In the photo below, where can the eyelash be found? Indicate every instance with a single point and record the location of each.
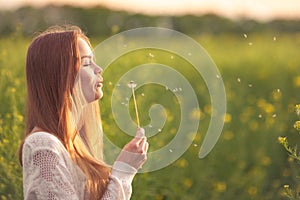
(87, 64)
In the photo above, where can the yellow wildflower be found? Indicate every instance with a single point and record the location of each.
(282, 140)
(297, 125)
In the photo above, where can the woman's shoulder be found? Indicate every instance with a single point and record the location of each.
(44, 140)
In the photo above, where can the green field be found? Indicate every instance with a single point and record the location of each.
(262, 82)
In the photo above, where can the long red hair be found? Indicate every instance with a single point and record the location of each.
(52, 65)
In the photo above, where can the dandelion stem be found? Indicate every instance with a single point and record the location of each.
(136, 109)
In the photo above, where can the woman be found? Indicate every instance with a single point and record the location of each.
(61, 153)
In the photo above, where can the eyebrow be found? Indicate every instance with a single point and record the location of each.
(90, 57)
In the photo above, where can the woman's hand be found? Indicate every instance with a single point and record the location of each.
(134, 152)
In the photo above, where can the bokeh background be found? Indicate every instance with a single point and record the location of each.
(255, 45)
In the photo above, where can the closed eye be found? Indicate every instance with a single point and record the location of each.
(86, 61)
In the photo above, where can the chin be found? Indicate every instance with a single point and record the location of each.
(98, 95)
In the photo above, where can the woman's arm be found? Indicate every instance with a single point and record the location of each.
(119, 186)
(132, 157)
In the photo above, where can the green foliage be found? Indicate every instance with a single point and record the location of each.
(295, 155)
(262, 80)
(12, 98)
(100, 21)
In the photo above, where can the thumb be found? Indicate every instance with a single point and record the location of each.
(140, 133)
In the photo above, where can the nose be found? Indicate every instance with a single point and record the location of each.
(98, 69)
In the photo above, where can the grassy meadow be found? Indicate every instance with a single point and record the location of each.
(262, 81)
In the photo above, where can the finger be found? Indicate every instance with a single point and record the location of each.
(139, 137)
(141, 145)
(140, 133)
(137, 140)
(146, 146)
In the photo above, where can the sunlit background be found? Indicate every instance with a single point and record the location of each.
(254, 43)
(256, 9)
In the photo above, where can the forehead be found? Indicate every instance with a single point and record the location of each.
(84, 48)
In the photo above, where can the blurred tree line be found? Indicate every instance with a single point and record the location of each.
(99, 21)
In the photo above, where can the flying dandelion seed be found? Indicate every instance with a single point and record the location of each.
(274, 38)
(159, 130)
(170, 150)
(238, 80)
(250, 43)
(151, 55)
(274, 115)
(245, 35)
(143, 94)
(278, 90)
(250, 85)
(260, 116)
(195, 145)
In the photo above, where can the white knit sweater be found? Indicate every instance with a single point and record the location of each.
(49, 173)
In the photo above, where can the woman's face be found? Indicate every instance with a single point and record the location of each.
(89, 73)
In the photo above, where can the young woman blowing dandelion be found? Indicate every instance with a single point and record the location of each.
(62, 152)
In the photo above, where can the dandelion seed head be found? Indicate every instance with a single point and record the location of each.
(131, 84)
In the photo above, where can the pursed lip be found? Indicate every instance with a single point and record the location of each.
(99, 83)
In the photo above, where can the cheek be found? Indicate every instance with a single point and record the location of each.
(86, 77)
(87, 85)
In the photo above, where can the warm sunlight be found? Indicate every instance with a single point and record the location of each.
(257, 9)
